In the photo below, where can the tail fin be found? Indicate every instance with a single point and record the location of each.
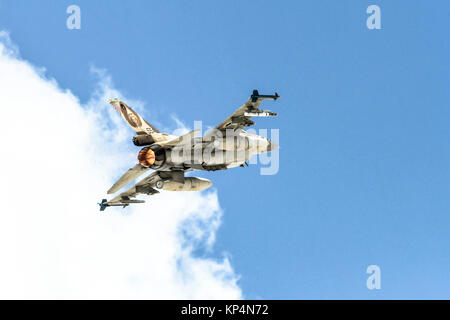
(136, 122)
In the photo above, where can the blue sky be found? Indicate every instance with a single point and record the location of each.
(363, 119)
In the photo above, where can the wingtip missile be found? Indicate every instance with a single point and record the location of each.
(255, 96)
(123, 203)
(103, 205)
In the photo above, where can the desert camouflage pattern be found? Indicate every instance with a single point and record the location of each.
(226, 146)
(137, 123)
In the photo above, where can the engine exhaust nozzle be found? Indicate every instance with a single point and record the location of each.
(146, 157)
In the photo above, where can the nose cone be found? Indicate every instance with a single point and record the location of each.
(203, 183)
(272, 146)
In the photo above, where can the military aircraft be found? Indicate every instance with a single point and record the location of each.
(226, 146)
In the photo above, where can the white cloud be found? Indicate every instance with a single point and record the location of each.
(56, 161)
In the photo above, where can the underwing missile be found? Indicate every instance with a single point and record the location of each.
(263, 113)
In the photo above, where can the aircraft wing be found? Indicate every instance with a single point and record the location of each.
(241, 117)
(145, 186)
(127, 177)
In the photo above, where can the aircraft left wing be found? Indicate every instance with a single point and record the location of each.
(145, 186)
(127, 177)
(241, 117)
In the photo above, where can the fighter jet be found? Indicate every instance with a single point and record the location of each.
(226, 146)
